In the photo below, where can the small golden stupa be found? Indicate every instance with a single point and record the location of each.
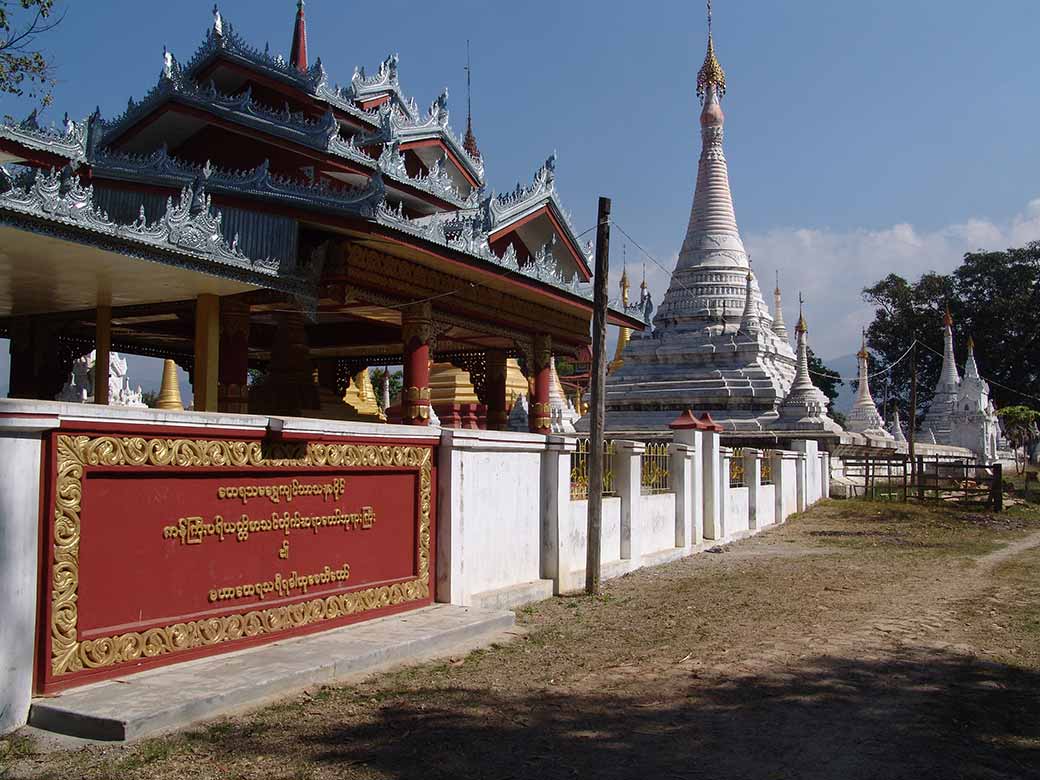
(360, 398)
(623, 333)
(170, 392)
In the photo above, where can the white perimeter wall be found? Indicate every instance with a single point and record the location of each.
(507, 531)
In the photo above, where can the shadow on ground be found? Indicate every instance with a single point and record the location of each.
(927, 715)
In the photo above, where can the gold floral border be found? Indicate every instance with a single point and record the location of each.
(68, 654)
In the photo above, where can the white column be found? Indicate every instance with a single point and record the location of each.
(712, 485)
(450, 580)
(20, 459)
(753, 480)
(627, 455)
(556, 497)
(725, 457)
(681, 465)
(825, 470)
(694, 439)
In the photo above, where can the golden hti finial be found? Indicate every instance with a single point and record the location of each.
(971, 345)
(170, 392)
(777, 290)
(948, 318)
(625, 287)
(801, 327)
(862, 354)
(642, 285)
(711, 72)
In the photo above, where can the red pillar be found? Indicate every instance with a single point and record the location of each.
(416, 333)
(497, 413)
(539, 416)
(233, 373)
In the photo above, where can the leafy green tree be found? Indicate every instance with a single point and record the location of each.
(24, 69)
(396, 383)
(1020, 425)
(993, 297)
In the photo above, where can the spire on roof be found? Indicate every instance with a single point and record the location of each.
(298, 55)
(864, 417)
(801, 327)
(218, 23)
(749, 319)
(971, 368)
(710, 78)
(779, 328)
(469, 143)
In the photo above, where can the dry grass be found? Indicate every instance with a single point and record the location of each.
(843, 644)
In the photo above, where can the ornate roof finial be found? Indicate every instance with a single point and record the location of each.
(777, 290)
(971, 345)
(298, 55)
(642, 285)
(469, 143)
(862, 354)
(948, 318)
(711, 73)
(801, 327)
(218, 23)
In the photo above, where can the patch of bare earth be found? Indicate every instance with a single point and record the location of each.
(857, 641)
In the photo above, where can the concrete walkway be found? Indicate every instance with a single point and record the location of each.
(175, 696)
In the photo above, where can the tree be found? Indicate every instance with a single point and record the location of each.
(24, 69)
(396, 383)
(993, 297)
(903, 311)
(1020, 425)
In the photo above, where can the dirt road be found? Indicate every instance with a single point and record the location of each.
(857, 641)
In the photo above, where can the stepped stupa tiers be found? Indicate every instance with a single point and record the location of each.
(714, 347)
(945, 397)
(864, 417)
(805, 407)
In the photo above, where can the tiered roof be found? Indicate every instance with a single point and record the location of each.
(363, 151)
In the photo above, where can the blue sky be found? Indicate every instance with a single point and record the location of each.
(862, 138)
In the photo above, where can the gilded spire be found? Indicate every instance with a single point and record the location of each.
(469, 143)
(862, 354)
(801, 327)
(711, 73)
(947, 317)
(625, 286)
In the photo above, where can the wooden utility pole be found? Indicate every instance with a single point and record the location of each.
(597, 410)
(913, 415)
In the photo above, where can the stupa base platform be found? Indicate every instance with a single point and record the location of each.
(172, 697)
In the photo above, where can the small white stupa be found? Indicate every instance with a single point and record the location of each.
(864, 417)
(80, 387)
(805, 407)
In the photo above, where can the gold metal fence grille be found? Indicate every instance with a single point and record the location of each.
(767, 468)
(580, 470)
(736, 468)
(654, 474)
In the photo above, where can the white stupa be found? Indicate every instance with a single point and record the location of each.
(805, 407)
(714, 345)
(864, 417)
(945, 397)
(80, 387)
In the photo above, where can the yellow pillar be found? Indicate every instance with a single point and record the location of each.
(207, 352)
(102, 350)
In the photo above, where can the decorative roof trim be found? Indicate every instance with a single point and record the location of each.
(315, 83)
(468, 237)
(321, 135)
(188, 229)
(71, 142)
(161, 168)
